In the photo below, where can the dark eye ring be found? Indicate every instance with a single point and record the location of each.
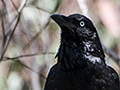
(82, 23)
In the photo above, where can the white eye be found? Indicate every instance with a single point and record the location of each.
(82, 24)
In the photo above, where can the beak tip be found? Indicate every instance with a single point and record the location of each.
(55, 16)
(52, 16)
(59, 19)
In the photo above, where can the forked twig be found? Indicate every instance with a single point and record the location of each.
(13, 30)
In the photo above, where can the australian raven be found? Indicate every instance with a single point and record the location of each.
(81, 60)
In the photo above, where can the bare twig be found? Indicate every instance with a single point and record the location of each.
(3, 13)
(2, 53)
(19, 61)
(44, 27)
(14, 5)
(3, 3)
(111, 54)
(27, 55)
(56, 7)
(43, 9)
(4, 38)
(31, 41)
(3, 31)
(13, 30)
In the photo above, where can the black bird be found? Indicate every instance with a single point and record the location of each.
(81, 60)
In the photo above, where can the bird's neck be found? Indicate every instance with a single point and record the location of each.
(70, 56)
(93, 52)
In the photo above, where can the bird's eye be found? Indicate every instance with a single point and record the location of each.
(82, 24)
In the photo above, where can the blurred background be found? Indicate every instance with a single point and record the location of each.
(29, 39)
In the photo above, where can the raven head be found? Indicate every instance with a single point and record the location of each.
(78, 35)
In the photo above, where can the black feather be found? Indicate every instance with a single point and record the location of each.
(81, 64)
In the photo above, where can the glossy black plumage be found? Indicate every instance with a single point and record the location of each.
(81, 64)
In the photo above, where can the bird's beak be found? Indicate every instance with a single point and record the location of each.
(61, 20)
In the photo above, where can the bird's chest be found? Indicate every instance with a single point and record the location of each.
(73, 80)
(83, 79)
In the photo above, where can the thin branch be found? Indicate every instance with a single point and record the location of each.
(42, 76)
(3, 3)
(111, 54)
(31, 40)
(2, 54)
(27, 55)
(56, 7)
(4, 38)
(14, 5)
(3, 29)
(35, 36)
(18, 61)
(44, 27)
(19, 13)
(43, 9)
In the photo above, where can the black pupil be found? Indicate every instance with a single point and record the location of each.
(82, 23)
